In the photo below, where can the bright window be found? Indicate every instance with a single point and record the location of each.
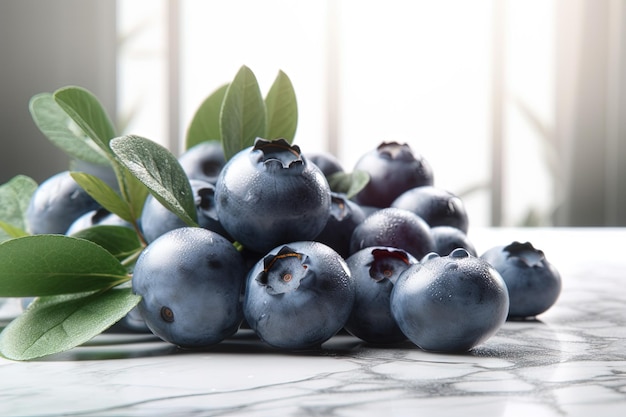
(419, 72)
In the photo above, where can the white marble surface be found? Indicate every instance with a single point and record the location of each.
(570, 362)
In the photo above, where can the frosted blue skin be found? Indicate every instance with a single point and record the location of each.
(534, 284)
(299, 295)
(345, 215)
(326, 162)
(395, 228)
(56, 204)
(203, 161)
(190, 280)
(449, 238)
(156, 219)
(100, 217)
(375, 271)
(269, 194)
(438, 207)
(451, 303)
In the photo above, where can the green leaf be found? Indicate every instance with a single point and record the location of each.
(205, 124)
(121, 242)
(348, 183)
(242, 117)
(38, 265)
(87, 111)
(282, 109)
(8, 231)
(135, 192)
(159, 170)
(103, 194)
(58, 323)
(62, 131)
(15, 196)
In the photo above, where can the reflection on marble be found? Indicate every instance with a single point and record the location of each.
(569, 362)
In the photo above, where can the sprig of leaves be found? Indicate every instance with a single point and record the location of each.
(348, 183)
(159, 170)
(236, 113)
(56, 265)
(58, 323)
(15, 196)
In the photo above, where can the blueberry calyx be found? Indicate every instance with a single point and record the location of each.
(429, 256)
(526, 253)
(459, 253)
(338, 207)
(204, 199)
(385, 263)
(278, 154)
(283, 272)
(395, 150)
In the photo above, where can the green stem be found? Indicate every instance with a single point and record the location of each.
(130, 260)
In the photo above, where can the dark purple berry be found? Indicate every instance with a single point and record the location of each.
(345, 216)
(395, 228)
(393, 168)
(435, 205)
(375, 271)
(449, 238)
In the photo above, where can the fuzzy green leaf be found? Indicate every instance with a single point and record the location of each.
(205, 124)
(159, 170)
(134, 191)
(348, 183)
(87, 111)
(62, 131)
(121, 242)
(15, 196)
(242, 117)
(58, 323)
(39, 265)
(8, 231)
(282, 109)
(103, 194)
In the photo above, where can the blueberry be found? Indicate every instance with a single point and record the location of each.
(435, 205)
(345, 216)
(326, 162)
(190, 280)
(56, 204)
(132, 322)
(375, 271)
(269, 194)
(395, 228)
(393, 168)
(99, 217)
(450, 303)
(299, 295)
(156, 219)
(534, 284)
(203, 161)
(448, 238)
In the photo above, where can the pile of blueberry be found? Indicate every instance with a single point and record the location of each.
(282, 253)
